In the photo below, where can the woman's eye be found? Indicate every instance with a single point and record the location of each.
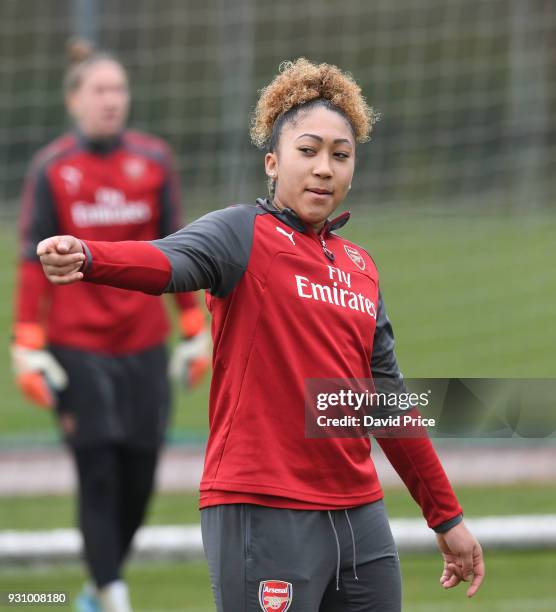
(307, 150)
(341, 155)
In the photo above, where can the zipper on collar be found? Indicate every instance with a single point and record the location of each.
(326, 230)
(329, 254)
(289, 217)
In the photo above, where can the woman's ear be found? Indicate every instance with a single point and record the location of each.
(69, 100)
(271, 165)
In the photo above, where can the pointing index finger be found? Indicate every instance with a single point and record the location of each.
(45, 246)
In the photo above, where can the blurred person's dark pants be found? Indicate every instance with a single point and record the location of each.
(113, 416)
(115, 484)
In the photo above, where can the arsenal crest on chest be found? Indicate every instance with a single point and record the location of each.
(355, 256)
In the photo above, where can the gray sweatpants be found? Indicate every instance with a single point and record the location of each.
(301, 560)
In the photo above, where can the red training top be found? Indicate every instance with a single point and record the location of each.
(287, 305)
(123, 189)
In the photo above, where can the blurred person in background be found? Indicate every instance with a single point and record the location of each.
(97, 355)
(289, 520)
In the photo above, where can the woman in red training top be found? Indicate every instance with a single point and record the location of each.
(289, 521)
(97, 354)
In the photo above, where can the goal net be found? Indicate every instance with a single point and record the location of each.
(465, 88)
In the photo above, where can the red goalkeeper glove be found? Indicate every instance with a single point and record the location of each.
(190, 359)
(37, 373)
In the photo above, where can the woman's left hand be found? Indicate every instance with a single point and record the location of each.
(463, 558)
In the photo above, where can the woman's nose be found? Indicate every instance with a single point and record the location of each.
(322, 167)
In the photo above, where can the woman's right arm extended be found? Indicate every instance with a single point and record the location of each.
(210, 253)
(128, 265)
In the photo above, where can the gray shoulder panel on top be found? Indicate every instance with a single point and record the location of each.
(212, 252)
(384, 364)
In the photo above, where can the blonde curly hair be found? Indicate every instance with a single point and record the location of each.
(301, 83)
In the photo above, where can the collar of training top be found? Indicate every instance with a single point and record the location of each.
(101, 146)
(290, 218)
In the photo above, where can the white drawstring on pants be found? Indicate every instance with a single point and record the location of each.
(353, 543)
(338, 548)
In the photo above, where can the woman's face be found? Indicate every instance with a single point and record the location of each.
(100, 104)
(313, 164)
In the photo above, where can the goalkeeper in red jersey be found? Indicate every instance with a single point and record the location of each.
(290, 521)
(98, 356)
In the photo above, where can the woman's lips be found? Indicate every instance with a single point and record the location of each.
(320, 192)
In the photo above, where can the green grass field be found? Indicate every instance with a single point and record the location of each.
(50, 512)
(470, 295)
(516, 582)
